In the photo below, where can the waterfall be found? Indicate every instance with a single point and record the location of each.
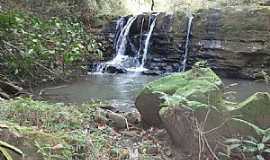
(140, 47)
(146, 46)
(119, 27)
(121, 43)
(184, 62)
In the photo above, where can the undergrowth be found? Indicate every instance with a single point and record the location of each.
(58, 131)
(35, 49)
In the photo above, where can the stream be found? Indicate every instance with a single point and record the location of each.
(123, 88)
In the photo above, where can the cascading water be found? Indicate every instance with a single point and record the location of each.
(120, 43)
(140, 45)
(146, 46)
(184, 62)
(119, 27)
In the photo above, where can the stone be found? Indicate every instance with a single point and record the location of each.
(101, 116)
(152, 72)
(168, 68)
(255, 109)
(113, 119)
(115, 69)
(117, 120)
(194, 86)
(133, 117)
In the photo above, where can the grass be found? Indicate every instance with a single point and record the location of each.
(50, 126)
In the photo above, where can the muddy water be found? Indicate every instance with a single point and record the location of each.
(125, 87)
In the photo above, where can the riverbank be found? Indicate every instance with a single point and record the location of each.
(89, 131)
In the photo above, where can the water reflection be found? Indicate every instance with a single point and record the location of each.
(125, 87)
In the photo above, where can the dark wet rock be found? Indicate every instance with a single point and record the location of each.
(152, 72)
(115, 69)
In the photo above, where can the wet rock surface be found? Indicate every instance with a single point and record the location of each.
(234, 41)
(115, 69)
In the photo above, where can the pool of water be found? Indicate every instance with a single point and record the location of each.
(120, 87)
(125, 87)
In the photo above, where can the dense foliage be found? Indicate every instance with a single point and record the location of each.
(41, 49)
(257, 147)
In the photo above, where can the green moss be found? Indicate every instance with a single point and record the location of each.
(170, 84)
(194, 88)
(256, 109)
(201, 91)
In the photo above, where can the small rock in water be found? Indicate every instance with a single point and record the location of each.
(152, 72)
(115, 69)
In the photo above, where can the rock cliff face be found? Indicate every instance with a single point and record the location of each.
(235, 42)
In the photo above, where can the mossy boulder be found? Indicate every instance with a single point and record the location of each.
(198, 87)
(255, 109)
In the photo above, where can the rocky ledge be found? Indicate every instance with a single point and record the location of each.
(234, 41)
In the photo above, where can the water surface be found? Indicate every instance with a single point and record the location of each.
(125, 87)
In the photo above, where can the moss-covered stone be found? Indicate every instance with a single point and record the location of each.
(255, 109)
(195, 88)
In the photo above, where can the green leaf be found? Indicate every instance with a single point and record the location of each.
(260, 157)
(266, 150)
(250, 149)
(5, 153)
(233, 146)
(257, 129)
(248, 142)
(260, 146)
(232, 140)
(266, 138)
(13, 148)
(253, 139)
